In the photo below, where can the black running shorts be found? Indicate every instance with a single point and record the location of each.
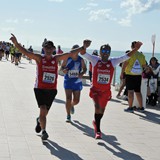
(45, 96)
(133, 82)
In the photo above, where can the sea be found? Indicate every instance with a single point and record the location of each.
(117, 54)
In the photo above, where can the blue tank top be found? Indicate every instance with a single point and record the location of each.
(74, 68)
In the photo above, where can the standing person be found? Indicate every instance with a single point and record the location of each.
(100, 91)
(156, 71)
(133, 71)
(30, 49)
(153, 96)
(95, 52)
(73, 68)
(12, 52)
(7, 48)
(46, 81)
(59, 51)
(123, 81)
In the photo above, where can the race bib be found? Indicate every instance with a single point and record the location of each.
(103, 78)
(49, 77)
(73, 73)
(136, 69)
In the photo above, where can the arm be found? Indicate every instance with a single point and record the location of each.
(157, 70)
(86, 44)
(136, 48)
(123, 69)
(31, 55)
(63, 67)
(84, 69)
(118, 60)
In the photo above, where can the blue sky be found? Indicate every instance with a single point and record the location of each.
(68, 22)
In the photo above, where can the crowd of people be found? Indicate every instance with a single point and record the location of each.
(133, 64)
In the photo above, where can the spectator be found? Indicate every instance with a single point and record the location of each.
(133, 71)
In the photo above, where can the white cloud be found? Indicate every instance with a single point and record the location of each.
(28, 20)
(103, 14)
(125, 22)
(139, 6)
(55, 0)
(12, 21)
(134, 7)
(92, 4)
(9, 29)
(85, 9)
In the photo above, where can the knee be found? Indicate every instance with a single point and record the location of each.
(76, 101)
(43, 111)
(130, 94)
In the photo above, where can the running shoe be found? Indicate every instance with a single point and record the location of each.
(119, 97)
(95, 127)
(44, 135)
(129, 109)
(72, 110)
(68, 119)
(98, 135)
(141, 109)
(38, 127)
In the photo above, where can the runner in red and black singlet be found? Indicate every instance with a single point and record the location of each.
(46, 79)
(100, 91)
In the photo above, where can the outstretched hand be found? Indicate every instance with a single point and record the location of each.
(138, 44)
(13, 39)
(86, 43)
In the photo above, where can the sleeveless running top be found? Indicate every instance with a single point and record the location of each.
(47, 73)
(102, 75)
(74, 68)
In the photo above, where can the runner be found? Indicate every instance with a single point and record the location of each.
(46, 81)
(73, 68)
(100, 91)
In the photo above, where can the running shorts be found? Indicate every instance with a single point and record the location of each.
(45, 96)
(100, 97)
(133, 82)
(73, 85)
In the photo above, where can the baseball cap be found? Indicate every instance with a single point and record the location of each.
(95, 52)
(75, 46)
(48, 44)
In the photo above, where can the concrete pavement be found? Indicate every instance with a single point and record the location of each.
(126, 136)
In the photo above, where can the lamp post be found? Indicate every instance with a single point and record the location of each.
(153, 43)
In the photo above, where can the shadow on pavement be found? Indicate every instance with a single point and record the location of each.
(21, 67)
(60, 152)
(149, 116)
(84, 128)
(115, 100)
(59, 101)
(110, 143)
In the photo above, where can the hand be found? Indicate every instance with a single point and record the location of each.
(13, 39)
(65, 71)
(86, 43)
(80, 75)
(138, 44)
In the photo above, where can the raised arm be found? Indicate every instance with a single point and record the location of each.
(84, 68)
(31, 55)
(64, 56)
(136, 48)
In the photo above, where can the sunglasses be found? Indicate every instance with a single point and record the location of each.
(105, 51)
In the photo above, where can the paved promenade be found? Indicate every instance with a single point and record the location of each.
(126, 136)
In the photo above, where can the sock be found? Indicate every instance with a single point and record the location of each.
(98, 118)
